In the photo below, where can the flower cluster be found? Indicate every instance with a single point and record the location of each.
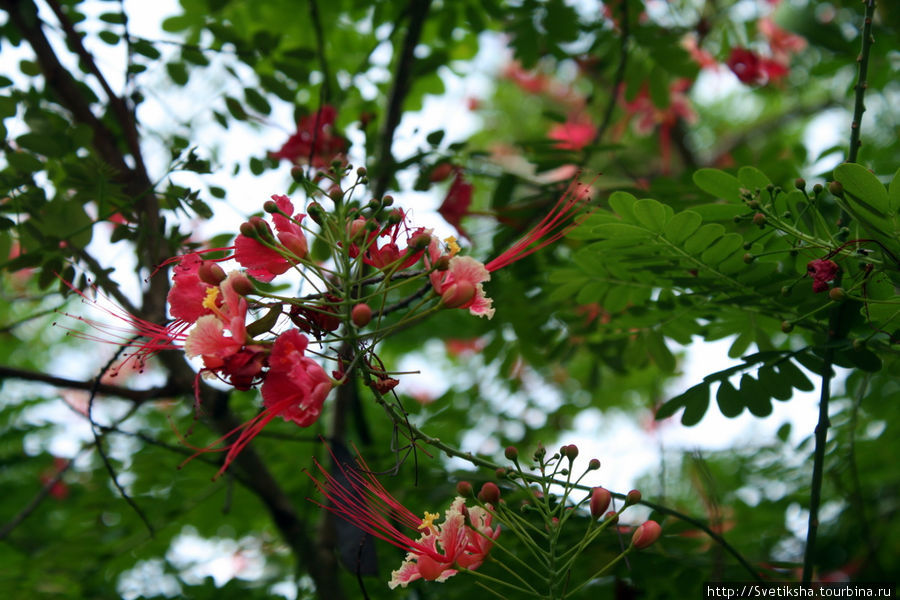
(244, 335)
(461, 541)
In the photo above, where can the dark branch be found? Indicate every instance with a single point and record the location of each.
(384, 157)
(138, 396)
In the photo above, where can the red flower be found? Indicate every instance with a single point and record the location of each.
(315, 141)
(577, 132)
(296, 386)
(822, 272)
(456, 205)
(359, 498)
(294, 389)
(753, 69)
(188, 291)
(389, 254)
(264, 262)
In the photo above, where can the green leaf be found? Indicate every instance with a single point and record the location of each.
(623, 205)
(718, 183)
(235, 108)
(729, 400)
(724, 247)
(619, 231)
(145, 48)
(863, 187)
(109, 37)
(681, 226)
(178, 72)
(795, 376)
(434, 138)
(776, 384)
(752, 178)
(695, 401)
(755, 397)
(257, 101)
(652, 214)
(116, 18)
(894, 194)
(704, 237)
(659, 352)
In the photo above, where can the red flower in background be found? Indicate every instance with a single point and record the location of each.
(315, 141)
(577, 132)
(649, 116)
(456, 205)
(753, 69)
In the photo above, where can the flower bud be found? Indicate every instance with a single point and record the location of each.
(593, 464)
(270, 206)
(395, 216)
(336, 193)
(787, 326)
(611, 516)
(800, 184)
(464, 489)
(295, 243)
(511, 453)
(297, 174)
(749, 258)
(500, 473)
(633, 497)
(600, 499)
(356, 229)
(442, 264)
(387, 201)
(211, 273)
(419, 241)
(361, 171)
(759, 219)
(646, 534)
(489, 493)
(241, 284)
(570, 451)
(361, 314)
(458, 294)
(817, 189)
(540, 453)
(316, 212)
(837, 294)
(836, 188)
(248, 230)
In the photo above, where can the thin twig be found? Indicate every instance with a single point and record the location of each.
(98, 442)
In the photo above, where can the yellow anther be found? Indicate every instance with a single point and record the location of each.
(452, 245)
(428, 520)
(209, 302)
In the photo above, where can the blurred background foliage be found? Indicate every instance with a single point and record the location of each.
(110, 164)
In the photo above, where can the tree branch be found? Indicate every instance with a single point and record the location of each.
(137, 396)
(384, 157)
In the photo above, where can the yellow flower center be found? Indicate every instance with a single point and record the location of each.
(209, 302)
(452, 246)
(428, 520)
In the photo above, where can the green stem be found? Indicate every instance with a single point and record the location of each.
(605, 568)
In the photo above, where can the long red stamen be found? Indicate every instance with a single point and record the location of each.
(365, 503)
(552, 227)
